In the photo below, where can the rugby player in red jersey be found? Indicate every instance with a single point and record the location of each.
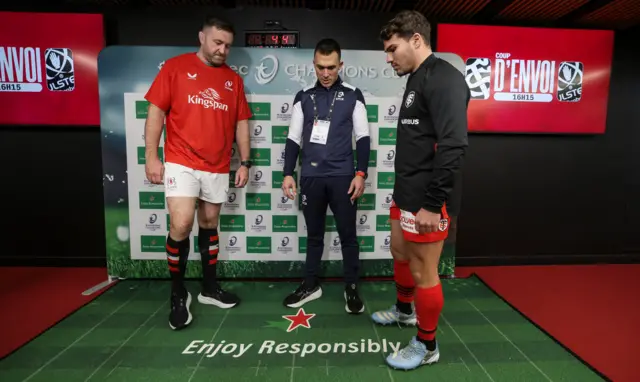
(204, 104)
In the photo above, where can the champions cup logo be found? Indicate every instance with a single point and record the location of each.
(264, 75)
(522, 80)
(21, 69)
(208, 98)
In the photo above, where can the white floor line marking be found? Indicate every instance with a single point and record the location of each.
(373, 324)
(466, 347)
(210, 341)
(97, 287)
(326, 366)
(81, 337)
(293, 366)
(114, 369)
(465, 364)
(164, 303)
(257, 367)
(508, 339)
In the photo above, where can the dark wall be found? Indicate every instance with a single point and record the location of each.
(558, 198)
(553, 199)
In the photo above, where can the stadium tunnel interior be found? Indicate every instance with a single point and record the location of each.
(525, 199)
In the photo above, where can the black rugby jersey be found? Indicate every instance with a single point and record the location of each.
(433, 115)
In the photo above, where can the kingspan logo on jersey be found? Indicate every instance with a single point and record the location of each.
(517, 79)
(21, 69)
(209, 99)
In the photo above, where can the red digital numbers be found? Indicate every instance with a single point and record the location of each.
(271, 39)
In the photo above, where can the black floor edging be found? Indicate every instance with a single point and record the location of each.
(588, 365)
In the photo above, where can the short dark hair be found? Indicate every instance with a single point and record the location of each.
(405, 24)
(326, 46)
(218, 23)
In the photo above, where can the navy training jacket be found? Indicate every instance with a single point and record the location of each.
(348, 122)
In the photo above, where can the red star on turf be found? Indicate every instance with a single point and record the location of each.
(299, 319)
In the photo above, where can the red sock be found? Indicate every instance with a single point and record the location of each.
(429, 303)
(404, 281)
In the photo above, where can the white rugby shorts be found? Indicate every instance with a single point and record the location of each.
(180, 180)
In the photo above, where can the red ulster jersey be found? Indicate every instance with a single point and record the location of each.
(203, 104)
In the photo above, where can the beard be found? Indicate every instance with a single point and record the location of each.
(215, 60)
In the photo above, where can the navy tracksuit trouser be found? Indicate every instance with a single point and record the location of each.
(317, 193)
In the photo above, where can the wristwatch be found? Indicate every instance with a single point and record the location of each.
(362, 174)
(246, 163)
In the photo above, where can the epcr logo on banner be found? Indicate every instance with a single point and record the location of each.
(263, 76)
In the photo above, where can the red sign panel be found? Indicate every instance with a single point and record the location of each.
(533, 80)
(49, 68)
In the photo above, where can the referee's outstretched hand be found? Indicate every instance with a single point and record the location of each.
(356, 189)
(289, 187)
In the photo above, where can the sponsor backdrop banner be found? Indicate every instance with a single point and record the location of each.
(533, 80)
(262, 233)
(49, 68)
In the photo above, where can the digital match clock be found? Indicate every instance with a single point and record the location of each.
(272, 39)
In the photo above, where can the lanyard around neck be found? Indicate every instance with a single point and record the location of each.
(315, 107)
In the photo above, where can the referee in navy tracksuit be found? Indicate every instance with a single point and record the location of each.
(326, 118)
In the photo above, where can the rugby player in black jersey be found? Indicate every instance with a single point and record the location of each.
(431, 142)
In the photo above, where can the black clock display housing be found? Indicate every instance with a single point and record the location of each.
(272, 39)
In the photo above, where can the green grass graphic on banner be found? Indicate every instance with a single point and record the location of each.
(383, 223)
(367, 202)
(387, 136)
(259, 228)
(373, 158)
(330, 224)
(279, 134)
(151, 200)
(260, 244)
(372, 113)
(302, 244)
(261, 157)
(153, 243)
(367, 243)
(258, 201)
(261, 111)
(142, 109)
(232, 223)
(285, 223)
(142, 157)
(386, 180)
(277, 178)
